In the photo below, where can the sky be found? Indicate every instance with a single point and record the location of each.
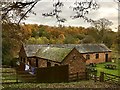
(108, 9)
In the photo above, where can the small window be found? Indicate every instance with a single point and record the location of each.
(48, 64)
(87, 56)
(97, 56)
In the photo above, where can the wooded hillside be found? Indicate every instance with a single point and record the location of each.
(41, 34)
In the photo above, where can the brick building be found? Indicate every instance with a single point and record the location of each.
(93, 53)
(46, 56)
(74, 55)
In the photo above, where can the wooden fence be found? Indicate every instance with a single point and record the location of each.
(26, 77)
(9, 76)
(110, 78)
(12, 75)
(77, 76)
(51, 74)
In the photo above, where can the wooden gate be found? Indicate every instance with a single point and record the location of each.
(110, 78)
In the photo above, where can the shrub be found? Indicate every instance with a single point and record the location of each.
(110, 66)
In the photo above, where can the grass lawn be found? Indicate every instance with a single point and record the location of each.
(101, 68)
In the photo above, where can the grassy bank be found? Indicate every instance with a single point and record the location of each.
(101, 68)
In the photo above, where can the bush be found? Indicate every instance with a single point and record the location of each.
(110, 66)
(92, 64)
(91, 69)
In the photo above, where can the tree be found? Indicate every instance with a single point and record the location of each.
(88, 39)
(102, 25)
(94, 33)
(19, 10)
(31, 40)
(81, 9)
(57, 9)
(118, 40)
(108, 40)
(71, 40)
(13, 11)
(11, 39)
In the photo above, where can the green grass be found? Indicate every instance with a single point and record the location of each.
(8, 77)
(101, 68)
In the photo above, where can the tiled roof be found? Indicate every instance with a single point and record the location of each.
(53, 53)
(85, 48)
(91, 48)
(58, 52)
(31, 49)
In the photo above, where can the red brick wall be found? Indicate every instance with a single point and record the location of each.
(43, 63)
(99, 60)
(75, 61)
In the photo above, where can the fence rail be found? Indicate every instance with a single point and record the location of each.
(77, 76)
(9, 77)
(110, 78)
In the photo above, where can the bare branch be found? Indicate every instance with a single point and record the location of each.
(27, 11)
(82, 8)
(57, 9)
(15, 5)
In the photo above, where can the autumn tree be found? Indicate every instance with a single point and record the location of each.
(11, 39)
(12, 33)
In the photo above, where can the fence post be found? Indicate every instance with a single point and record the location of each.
(16, 76)
(77, 76)
(95, 76)
(86, 75)
(101, 76)
(87, 72)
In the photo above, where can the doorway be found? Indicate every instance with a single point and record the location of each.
(36, 62)
(106, 57)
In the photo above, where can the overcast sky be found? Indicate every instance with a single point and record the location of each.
(108, 10)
